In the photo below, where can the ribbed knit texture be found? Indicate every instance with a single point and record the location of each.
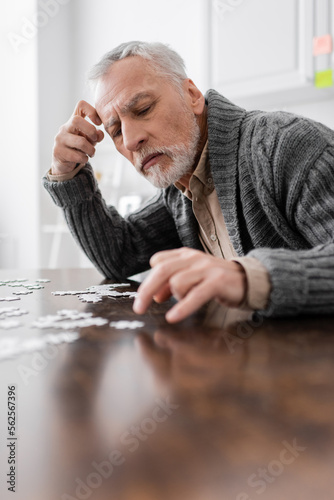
(274, 176)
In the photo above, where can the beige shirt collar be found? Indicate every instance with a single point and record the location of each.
(202, 173)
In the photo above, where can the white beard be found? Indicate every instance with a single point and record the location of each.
(182, 156)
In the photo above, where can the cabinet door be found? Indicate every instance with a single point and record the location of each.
(261, 50)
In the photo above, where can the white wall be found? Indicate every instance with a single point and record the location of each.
(19, 186)
(101, 25)
(321, 111)
(36, 98)
(56, 76)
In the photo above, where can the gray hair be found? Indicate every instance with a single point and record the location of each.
(165, 61)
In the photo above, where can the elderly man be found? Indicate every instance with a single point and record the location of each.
(245, 213)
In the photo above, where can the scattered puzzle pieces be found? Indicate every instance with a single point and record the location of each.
(111, 286)
(69, 319)
(95, 293)
(121, 325)
(72, 314)
(33, 286)
(18, 280)
(65, 319)
(26, 288)
(114, 293)
(90, 298)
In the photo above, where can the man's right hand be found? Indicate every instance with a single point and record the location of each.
(76, 140)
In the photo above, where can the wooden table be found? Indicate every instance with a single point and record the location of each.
(217, 407)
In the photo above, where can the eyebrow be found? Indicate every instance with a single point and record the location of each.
(128, 107)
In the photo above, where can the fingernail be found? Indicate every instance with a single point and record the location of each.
(172, 316)
(138, 306)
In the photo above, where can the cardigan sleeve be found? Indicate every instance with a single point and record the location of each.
(302, 183)
(118, 247)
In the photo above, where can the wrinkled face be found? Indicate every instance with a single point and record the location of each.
(151, 124)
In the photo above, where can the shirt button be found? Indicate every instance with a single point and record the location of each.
(213, 237)
(210, 180)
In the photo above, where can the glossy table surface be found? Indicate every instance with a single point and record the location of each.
(221, 406)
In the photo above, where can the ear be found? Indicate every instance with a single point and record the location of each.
(194, 97)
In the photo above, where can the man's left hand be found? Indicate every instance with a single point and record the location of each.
(193, 278)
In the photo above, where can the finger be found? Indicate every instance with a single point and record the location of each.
(100, 135)
(164, 265)
(65, 156)
(229, 286)
(169, 254)
(79, 126)
(195, 299)
(67, 144)
(219, 277)
(81, 144)
(72, 156)
(163, 294)
(183, 281)
(84, 109)
(65, 161)
(156, 281)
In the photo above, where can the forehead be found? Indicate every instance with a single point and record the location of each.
(125, 78)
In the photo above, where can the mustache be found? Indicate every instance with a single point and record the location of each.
(147, 151)
(171, 151)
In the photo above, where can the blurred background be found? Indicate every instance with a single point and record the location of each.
(261, 54)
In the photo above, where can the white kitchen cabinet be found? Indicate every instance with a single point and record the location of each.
(261, 50)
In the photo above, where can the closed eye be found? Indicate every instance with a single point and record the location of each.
(141, 112)
(117, 133)
(144, 111)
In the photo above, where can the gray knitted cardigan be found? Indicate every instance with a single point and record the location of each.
(274, 177)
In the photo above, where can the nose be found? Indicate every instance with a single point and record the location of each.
(134, 136)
